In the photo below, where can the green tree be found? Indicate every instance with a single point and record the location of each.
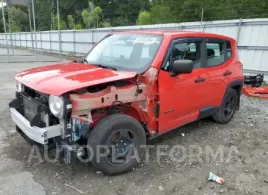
(104, 24)
(45, 9)
(1, 26)
(95, 16)
(43, 14)
(63, 25)
(71, 22)
(92, 16)
(76, 14)
(86, 18)
(71, 7)
(19, 20)
(78, 27)
(161, 14)
(144, 18)
(122, 12)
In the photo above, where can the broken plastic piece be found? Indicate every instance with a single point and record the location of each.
(213, 177)
(256, 92)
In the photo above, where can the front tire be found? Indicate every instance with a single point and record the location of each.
(116, 143)
(228, 107)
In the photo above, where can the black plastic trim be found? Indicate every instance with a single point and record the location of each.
(235, 83)
(15, 103)
(208, 111)
(67, 120)
(156, 110)
(36, 121)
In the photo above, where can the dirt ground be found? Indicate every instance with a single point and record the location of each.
(244, 165)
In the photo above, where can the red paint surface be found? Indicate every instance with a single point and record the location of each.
(180, 97)
(62, 78)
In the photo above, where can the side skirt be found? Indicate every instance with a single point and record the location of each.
(205, 112)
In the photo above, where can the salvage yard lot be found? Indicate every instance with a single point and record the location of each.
(245, 138)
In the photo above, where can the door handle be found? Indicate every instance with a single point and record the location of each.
(200, 80)
(227, 73)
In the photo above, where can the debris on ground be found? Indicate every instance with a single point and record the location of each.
(161, 188)
(81, 192)
(253, 87)
(99, 173)
(213, 177)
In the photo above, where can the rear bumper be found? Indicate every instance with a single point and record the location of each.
(40, 135)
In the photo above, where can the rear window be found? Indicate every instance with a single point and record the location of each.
(218, 52)
(215, 53)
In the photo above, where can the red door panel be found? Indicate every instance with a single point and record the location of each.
(217, 84)
(219, 70)
(181, 97)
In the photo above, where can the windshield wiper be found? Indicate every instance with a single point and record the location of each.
(85, 60)
(107, 67)
(81, 60)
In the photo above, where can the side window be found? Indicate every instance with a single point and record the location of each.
(186, 51)
(215, 53)
(229, 49)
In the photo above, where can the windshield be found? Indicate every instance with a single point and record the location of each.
(127, 52)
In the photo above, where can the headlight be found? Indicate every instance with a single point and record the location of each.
(56, 106)
(20, 87)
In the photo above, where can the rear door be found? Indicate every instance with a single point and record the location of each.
(183, 95)
(217, 65)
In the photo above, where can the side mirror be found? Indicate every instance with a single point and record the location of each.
(181, 66)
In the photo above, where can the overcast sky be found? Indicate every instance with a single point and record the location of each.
(3, 3)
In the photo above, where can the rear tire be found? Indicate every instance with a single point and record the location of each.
(119, 133)
(228, 107)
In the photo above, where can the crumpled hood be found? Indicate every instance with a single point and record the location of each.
(61, 78)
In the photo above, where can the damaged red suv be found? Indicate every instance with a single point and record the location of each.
(131, 87)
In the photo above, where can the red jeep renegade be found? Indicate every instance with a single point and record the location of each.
(131, 87)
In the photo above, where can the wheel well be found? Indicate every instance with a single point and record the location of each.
(238, 89)
(131, 111)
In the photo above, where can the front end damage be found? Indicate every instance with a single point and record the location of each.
(83, 109)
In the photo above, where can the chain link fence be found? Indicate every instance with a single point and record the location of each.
(20, 41)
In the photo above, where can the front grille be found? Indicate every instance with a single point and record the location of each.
(41, 98)
(30, 108)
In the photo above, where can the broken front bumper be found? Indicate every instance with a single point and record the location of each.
(40, 135)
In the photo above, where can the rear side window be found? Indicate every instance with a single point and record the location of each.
(215, 53)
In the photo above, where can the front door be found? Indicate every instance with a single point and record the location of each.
(182, 96)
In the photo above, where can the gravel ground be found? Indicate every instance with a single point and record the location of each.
(243, 164)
